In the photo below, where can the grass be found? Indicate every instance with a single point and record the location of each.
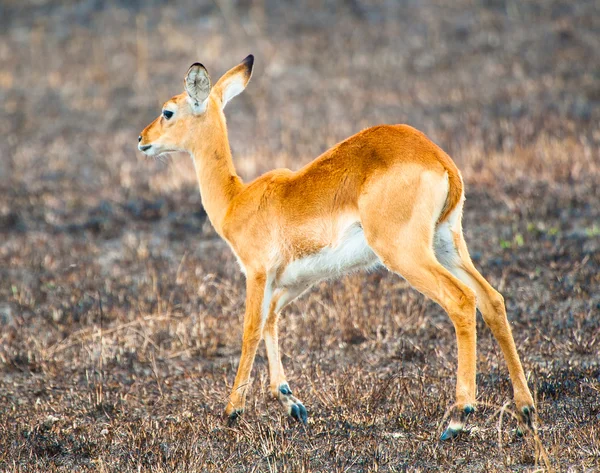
(121, 310)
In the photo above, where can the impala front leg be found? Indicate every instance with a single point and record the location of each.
(280, 389)
(256, 299)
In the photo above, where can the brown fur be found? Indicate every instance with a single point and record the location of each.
(391, 179)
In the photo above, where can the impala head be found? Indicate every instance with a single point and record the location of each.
(196, 112)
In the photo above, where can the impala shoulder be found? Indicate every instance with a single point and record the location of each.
(272, 186)
(270, 180)
(254, 199)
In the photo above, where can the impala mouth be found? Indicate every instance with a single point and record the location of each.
(144, 148)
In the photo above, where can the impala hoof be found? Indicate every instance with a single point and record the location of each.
(527, 414)
(292, 406)
(233, 417)
(450, 434)
(298, 412)
(457, 424)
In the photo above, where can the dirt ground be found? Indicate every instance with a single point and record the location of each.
(121, 310)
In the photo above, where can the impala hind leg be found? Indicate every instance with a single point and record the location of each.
(280, 388)
(491, 305)
(399, 226)
(253, 328)
(420, 268)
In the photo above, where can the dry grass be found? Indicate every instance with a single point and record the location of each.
(121, 310)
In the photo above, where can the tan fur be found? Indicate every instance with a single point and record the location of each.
(389, 182)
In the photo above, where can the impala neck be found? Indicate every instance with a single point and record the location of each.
(217, 178)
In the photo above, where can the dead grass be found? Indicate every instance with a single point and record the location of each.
(121, 310)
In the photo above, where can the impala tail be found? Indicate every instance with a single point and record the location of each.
(455, 193)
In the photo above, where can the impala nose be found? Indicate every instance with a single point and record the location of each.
(139, 138)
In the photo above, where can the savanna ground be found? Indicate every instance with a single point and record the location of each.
(121, 310)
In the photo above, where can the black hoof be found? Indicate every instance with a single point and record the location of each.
(457, 424)
(299, 413)
(285, 390)
(527, 414)
(450, 434)
(233, 417)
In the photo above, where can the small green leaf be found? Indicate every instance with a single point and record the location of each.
(593, 231)
(519, 239)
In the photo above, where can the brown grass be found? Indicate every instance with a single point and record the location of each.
(120, 310)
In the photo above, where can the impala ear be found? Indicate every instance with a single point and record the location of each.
(197, 86)
(234, 81)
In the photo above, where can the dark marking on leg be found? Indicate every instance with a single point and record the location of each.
(527, 415)
(233, 417)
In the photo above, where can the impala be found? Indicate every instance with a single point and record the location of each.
(387, 196)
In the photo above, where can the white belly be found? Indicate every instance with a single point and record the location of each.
(351, 253)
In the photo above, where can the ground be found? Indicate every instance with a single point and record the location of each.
(121, 310)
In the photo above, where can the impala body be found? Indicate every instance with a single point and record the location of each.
(385, 196)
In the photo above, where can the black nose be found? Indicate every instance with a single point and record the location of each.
(139, 138)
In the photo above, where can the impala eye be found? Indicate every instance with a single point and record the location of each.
(167, 114)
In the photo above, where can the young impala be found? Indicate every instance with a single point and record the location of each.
(385, 196)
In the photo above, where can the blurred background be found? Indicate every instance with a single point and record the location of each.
(111, 276)
(81, 78)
